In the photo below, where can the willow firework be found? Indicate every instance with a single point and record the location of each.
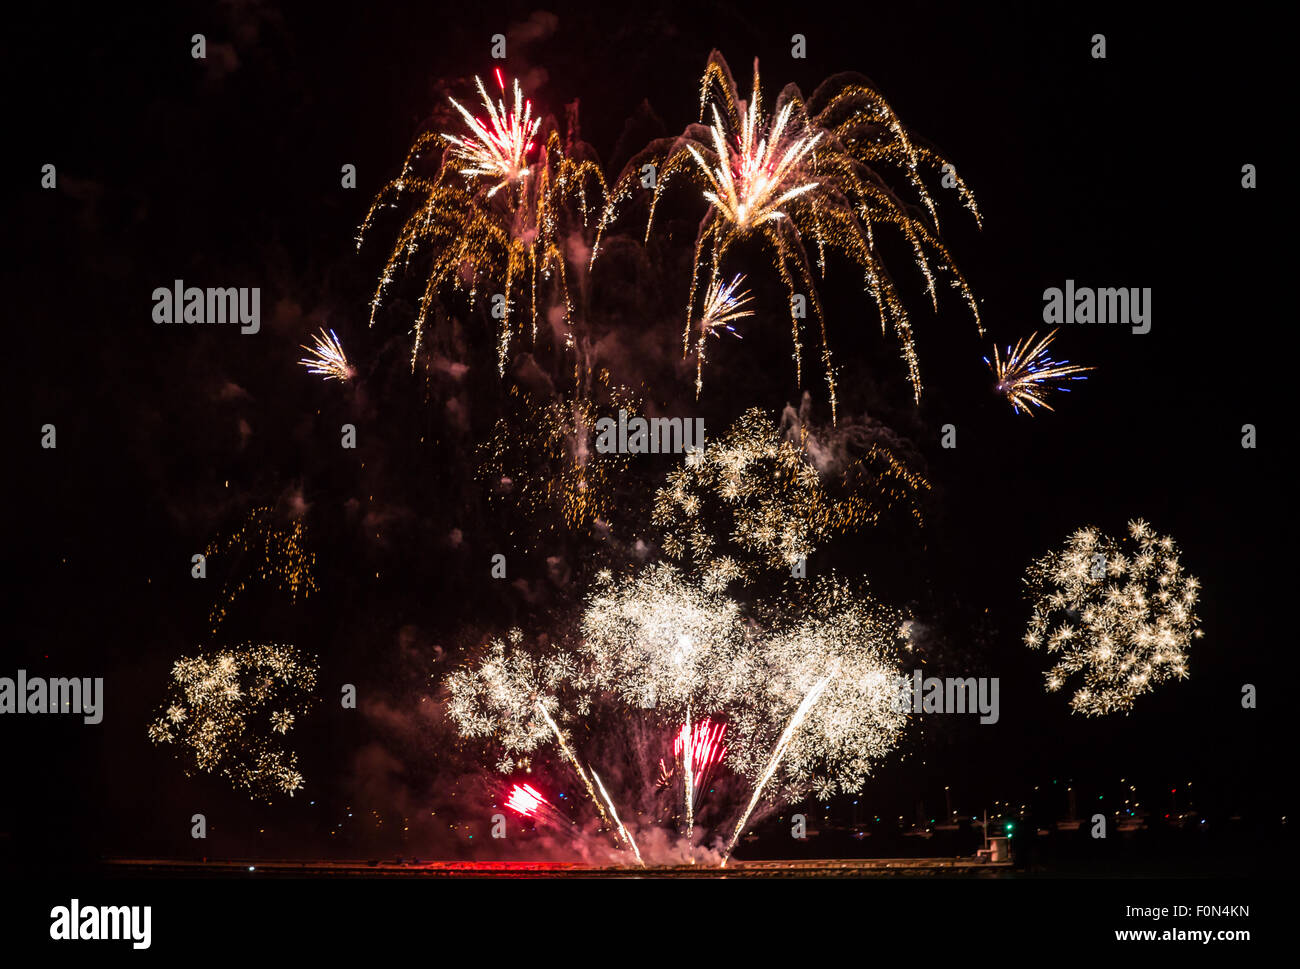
(810, 175)
(1118, 614)
(492, 213)
(226, 708)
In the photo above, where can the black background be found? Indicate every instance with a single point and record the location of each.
(1117, 172)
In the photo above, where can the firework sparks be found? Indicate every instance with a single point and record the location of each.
(706, 748)
(281, 560)
(524, 799)
(327, 358)
(626, 835)
(795, 722)
(722, 306)
(498, 148)
(834, 665)
(225, 706)
(508, 696)
(755, 500)
(491, 216)
(1119, 612)
(1028, 373)
(542, 459)
(800, 179)
(759, 172)
(665, 643)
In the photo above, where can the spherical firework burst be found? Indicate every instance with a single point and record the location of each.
(490, 216)
(663, 642)
(512, 697)
(1028, 373)
(829, 703)
(224, 708)
(808, 176)
(1120, 613)
(327, 358)
(754, 499)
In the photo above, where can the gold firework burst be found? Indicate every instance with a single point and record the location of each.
(265, 551)
(808, 176)
(1120, 612)
(489, 216)
(225, 705)
(754, 499)
(542, 458)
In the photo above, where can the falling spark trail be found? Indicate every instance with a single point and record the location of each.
(574, 761)
(781, 744)
(614, 811)
(688, 775)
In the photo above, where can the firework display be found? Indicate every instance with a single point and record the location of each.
(641, 548)
(541, 458)
(808, 697)
(1118, 614)
(755, 500)
(781, 697)
(327, 358)
(662, 642)
(227, 710)
(723, 305)
(492, 214)
(511, 697)
(264, 551)
(1028, 374)
(808, 176)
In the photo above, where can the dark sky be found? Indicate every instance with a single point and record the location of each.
(225, 172)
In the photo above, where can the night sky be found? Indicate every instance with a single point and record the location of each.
(226, 172)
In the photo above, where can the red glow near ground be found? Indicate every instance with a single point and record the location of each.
(525, 799)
